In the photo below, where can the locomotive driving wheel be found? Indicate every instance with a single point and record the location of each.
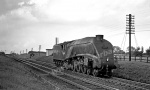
(71, 67)
(95, 72)
(81, 68)
(74, 68)
(65, 65)
(88, 71)
(84, 69)
(78, 68)
(109, 74)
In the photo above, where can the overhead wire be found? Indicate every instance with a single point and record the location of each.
(142, 24)
(123, 39)
(142, 30)
(124, 42)
(116, 34)
(135, 41)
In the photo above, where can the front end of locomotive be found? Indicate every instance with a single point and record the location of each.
(105, 54)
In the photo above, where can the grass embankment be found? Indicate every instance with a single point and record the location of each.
(17, 76)
(137, 71)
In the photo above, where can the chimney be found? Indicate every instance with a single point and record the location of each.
(56, 40)
(99, 37)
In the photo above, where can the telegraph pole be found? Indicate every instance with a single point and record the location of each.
(130, 29)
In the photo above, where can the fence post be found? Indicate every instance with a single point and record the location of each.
(141, 58)
(116, 58)
(147, 59)
(120, 58)
(135, 58)
(124, 58)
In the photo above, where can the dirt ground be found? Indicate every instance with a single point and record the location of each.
(16, 76)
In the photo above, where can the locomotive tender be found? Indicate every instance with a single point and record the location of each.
(90, 55)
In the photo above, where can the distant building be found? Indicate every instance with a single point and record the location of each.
(49, 52)
(2, 53)
(37, 53)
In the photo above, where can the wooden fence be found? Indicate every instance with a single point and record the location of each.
(135, 58)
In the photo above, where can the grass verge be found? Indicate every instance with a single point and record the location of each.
(137, 71)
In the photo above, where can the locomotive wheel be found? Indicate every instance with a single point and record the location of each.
(65, 65)
(74, 68)
(82, 69)
(109, 74)
(59, 63)
(78, 68)
(71, 67)
(88, 71)
(95, 72)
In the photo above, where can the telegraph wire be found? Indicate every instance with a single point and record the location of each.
(123, 39)
(136, 41)
(124, 32)
(124, 42)
(142, 24)
(116, 34)
(142, 30)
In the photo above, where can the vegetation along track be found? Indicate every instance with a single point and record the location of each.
(81, 83)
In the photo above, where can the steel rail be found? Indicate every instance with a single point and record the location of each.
(111, 80)
(82, 79)
(131, 81)
(89, 81)
(23, 61)
(92, 82)
(133, 84)
(127, 84)
(68, 81)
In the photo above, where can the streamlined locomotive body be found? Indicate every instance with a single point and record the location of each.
(90, 55)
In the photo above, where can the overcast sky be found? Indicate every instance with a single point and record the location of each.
(26, 24)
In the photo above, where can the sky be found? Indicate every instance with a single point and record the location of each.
(26, 24)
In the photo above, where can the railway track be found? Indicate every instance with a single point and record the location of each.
(119, 83)
(126, 84)
(82, 83)
(95, 82)
(134, 83)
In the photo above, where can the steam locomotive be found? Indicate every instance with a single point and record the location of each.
(89, 55)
